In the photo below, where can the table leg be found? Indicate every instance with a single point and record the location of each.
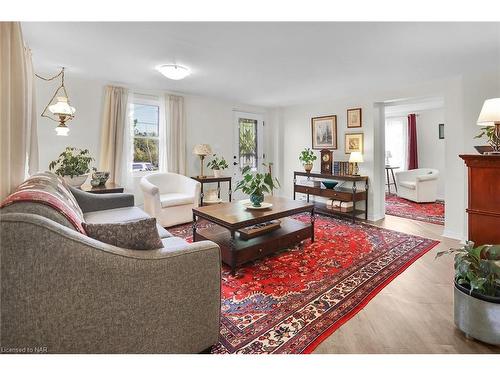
(313, 219)
(394, 180)
(218, 189)
(201, 195)
(353, 202)
(388, 182)
(230, 191)
(366, 200)
(232, 247)
(194, 227)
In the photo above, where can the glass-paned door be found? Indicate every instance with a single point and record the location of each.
(248, 145)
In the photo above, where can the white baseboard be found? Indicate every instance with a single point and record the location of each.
(455, 235)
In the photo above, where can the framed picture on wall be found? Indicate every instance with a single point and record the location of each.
(353, 142)
(354, 118)
(324, 132)
(441, 131)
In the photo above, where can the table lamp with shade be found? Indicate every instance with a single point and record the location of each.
(489, 119)
(202, 150)
(388, 155)
(356, 157)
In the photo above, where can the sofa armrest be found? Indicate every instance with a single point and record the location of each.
(73, 294)
(89, 202)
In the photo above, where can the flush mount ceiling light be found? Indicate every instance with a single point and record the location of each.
(174, 71)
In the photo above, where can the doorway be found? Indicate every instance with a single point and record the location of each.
(248, 145)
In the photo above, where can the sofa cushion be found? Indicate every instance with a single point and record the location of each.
(408, 184)
(121, 215)
(175, 199)
(136, 235)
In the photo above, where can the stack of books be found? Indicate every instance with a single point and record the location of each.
(342, 168)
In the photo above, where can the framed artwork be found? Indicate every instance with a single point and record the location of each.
(354, 118)
(441, 131)
(324, 132)
(353, 142)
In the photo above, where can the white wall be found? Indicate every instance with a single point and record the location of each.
(85, 128)
(207, 121)
(430, 147)
(296, 125)
(463, 97)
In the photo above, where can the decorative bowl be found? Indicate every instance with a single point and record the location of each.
(101, 176)
(329, 184)
(483, 149)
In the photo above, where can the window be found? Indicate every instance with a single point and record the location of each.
(248, 143)
(396, 141)
(146, 124)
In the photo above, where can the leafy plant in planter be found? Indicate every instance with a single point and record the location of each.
(477, 268)
(307, 158)
(217, 165)
(72, 162)
(256, 184)
(477, 291)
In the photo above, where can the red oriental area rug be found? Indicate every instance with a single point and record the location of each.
(428, 212)
(290, 302)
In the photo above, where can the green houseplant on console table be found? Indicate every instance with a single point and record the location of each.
(352, 194)
(307, 158)
(217, 165)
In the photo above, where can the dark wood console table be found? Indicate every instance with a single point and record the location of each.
(351, 194)
(108, 188)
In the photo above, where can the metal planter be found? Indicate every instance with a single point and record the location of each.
(477, 316)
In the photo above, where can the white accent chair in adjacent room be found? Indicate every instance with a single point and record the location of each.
(170, 197)
(418, 185)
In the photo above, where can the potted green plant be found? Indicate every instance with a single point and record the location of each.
(307, 158)
(73, 164)
(217, 165)
(477, 291)
(493, 138)
(256, 184)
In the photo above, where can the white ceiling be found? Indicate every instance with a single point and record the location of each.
(268, 64)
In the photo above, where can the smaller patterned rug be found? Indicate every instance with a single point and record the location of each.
(428, 212)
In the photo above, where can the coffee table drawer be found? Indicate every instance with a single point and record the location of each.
(271, 246)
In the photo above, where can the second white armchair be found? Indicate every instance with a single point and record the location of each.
(170, 197)
(418, 185)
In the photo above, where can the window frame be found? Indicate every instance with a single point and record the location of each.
(148, 100)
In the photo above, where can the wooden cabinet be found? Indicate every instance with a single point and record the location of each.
(484, 198)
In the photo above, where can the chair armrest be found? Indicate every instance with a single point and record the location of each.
(89, 202)
(91, 297)
(148, 188)
(427, 177)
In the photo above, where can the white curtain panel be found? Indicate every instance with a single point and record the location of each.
(115, 137)
(18, 118)
(175, 134)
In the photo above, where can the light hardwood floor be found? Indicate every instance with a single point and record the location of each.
(414, 313)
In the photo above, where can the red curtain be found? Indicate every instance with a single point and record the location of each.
(412, 142)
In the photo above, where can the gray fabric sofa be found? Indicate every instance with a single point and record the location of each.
(70, 293)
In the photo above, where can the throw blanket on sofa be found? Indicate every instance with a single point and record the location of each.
(49, 189)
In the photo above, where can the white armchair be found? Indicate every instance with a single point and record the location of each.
(418, 185)
(170, 197)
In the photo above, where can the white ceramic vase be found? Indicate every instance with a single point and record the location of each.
(218, 173)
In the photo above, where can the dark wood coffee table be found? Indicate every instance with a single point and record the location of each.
(230, 217)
